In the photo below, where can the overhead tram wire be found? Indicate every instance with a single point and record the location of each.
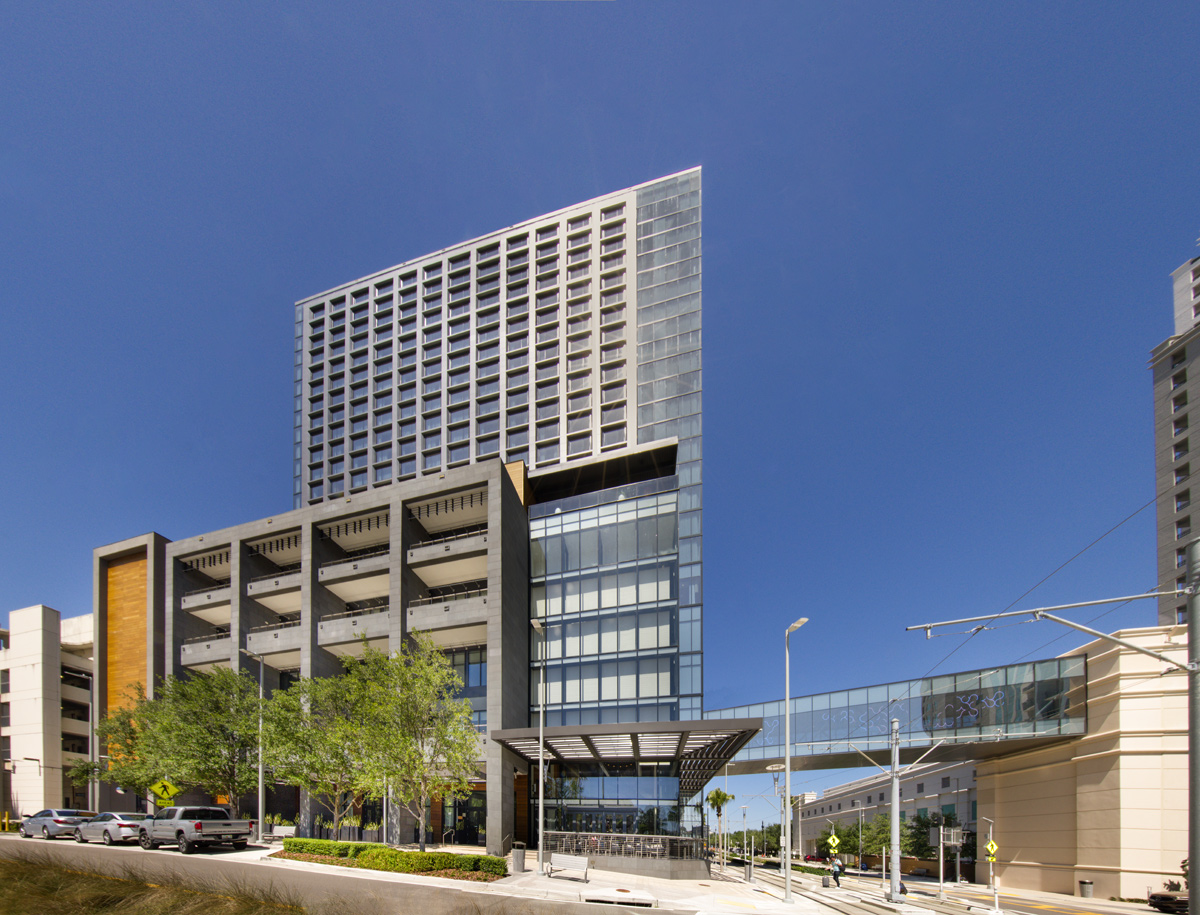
(984, 625)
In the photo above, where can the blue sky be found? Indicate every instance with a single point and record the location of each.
(937, 243)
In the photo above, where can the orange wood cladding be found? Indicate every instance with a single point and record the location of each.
(521, 813)
(125, 627)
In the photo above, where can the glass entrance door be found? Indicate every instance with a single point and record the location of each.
(467, 818)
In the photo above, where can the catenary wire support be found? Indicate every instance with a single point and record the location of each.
(1192, 668)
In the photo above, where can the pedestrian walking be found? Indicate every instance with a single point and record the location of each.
(836, 869)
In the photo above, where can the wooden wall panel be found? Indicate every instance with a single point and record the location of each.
(521, 808)
(125, 627)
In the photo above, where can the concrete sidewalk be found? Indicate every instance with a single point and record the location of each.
(722, 893)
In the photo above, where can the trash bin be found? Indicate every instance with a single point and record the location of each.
(825, 882)
(518, 852)
(1085, 889)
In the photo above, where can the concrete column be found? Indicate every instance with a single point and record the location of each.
(315, 601)
(501, 801)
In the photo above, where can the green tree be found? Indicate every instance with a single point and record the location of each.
(718, 800)
(916, 834)
(205, 732)
(847, 838)
(315, 741)
(121, 736)
(420, 741)
(877, 834)
(198, 732)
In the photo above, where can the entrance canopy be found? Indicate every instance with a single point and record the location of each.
(701, 748)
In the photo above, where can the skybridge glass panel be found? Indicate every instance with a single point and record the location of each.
(1020, 700)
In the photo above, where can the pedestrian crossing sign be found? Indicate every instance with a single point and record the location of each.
(991, 847)
(833, 843)
(164, 791)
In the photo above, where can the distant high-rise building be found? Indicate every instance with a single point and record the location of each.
(1176, 394)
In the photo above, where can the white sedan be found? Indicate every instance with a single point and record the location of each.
(110, 828)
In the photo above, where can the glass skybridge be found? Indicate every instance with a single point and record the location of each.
(968, 715)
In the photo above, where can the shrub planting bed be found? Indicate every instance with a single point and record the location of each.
(373, 856)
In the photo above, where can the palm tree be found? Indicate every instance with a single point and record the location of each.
(717, 799)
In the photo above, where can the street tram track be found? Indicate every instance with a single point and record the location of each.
(866, 899)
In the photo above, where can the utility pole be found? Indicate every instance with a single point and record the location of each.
(1191, 668)
(894, 888)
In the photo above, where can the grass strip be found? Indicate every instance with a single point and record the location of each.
(38, 888)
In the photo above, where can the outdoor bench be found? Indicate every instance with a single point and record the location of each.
(568, 863)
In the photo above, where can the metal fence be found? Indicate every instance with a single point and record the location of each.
(625, 845)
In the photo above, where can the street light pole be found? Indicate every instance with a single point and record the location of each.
(775, 769)
(787, 755)
(744, 843)
(860, 822)
(537, 624)
(262, 792)
(894, 890)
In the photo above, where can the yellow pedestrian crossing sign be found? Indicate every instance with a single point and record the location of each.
(164, 790)
(833, 843)
(991, 847)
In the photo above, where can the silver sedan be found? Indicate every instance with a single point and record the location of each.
(110, 828)
(52, 823)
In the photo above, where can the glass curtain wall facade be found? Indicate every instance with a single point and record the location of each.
(604, 572)
(669, 385)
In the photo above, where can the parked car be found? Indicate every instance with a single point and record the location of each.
(110, 828)
(1169, 902)
(50, 824)
(188, 827)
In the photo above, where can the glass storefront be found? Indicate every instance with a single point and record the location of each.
(614, 798)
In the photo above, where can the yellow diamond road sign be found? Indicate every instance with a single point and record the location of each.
(834, 842)
(991, 847)
(164, 790)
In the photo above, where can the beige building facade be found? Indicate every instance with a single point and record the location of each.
(45, 708)
(1111, 806)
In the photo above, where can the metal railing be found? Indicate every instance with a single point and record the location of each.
(215, 586)
(206, 638)
(365, 554)
(447, 598)
(283, 570)
(449, 538)
(365, 611)
(286, 624)
(625, 845)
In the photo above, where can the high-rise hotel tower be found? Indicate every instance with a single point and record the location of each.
(570, 342)
(497, 444)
